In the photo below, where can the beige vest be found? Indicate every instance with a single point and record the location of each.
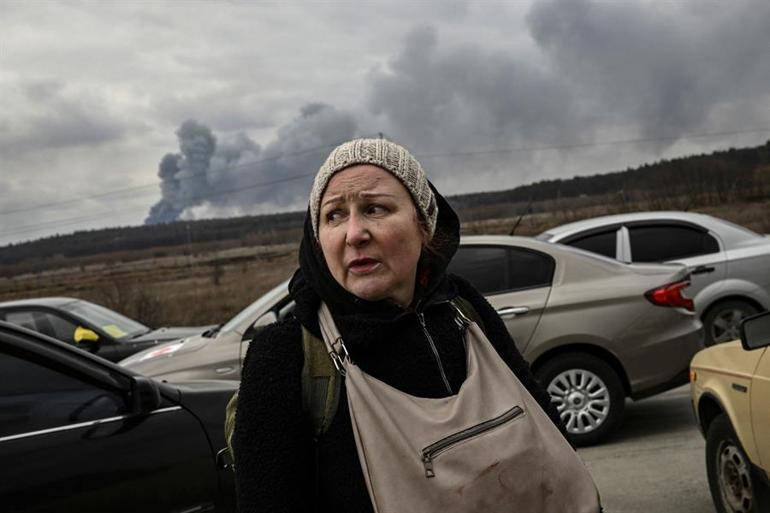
(490, 448)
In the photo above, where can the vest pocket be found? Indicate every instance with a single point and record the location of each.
(436, 448)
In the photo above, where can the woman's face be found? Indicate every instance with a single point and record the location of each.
(370, 235)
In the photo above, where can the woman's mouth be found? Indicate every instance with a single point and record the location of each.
(363, 265)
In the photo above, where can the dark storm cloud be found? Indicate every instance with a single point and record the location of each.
(238, 175)
(598, 72)
(664, 66)
(56, 118)
(441, 98)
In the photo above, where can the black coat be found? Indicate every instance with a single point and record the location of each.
(279, 467)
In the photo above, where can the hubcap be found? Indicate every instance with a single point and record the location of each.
(581, 398)
(726, 325)
(734, 479)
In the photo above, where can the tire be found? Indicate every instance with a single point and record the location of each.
(735, 485)
(722, 320)
(587, 393)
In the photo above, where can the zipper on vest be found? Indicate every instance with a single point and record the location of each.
(435, 448)
(421, 317)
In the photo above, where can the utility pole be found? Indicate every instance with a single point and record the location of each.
(189, 246)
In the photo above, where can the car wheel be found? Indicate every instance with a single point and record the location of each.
(722, 321)
(587, 393)
(735, 486)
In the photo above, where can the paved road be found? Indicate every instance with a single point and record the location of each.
(655, 464)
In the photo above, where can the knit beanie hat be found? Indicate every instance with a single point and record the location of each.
(384, 154)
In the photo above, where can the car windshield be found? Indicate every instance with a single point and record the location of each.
(251, 311)
(114, 324)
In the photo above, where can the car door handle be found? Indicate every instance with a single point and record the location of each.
(702, 269)
(512, 311)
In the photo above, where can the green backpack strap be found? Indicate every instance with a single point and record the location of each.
(320, 384)
(232, 405)
(320, 390)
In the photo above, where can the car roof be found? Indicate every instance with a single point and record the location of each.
(549, 248)
(40, 301)
(735, 232)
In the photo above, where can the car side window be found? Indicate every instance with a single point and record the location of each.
(23, 318)
(661, 243)
(63, 329)
(44, 322)
(603, 243)
(486, 267)
(36, 396)
(492, 269)
(530, 269)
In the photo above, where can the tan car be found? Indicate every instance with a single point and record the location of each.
(595, 330)
(730, 386)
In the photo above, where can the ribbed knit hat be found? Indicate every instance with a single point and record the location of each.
(384, 154)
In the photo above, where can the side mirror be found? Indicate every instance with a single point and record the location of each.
(264, 320)
(86, 338)
(85, 335)
(755, 331)
(145, 395)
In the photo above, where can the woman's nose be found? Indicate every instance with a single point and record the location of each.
(358, 232)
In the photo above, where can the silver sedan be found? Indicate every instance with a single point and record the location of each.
(729, 264)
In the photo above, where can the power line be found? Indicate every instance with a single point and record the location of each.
(252, 165)
(591, 144)
(247, 166)
(62, 222)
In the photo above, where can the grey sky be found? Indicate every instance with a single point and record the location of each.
(93, 93)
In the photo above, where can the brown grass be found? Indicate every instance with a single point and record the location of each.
(217, 281)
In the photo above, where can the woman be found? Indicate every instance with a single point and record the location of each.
(377, 240)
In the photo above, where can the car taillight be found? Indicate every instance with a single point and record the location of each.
(671, 295)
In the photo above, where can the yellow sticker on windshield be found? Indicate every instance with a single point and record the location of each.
(114, 331)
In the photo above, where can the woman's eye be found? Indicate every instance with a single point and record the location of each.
(376, 209)
(334, 216)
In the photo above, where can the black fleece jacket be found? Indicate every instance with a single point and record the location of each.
(279, 466)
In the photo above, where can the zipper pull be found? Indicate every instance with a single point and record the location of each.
(427, 462)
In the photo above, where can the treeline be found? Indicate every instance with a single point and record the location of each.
(247, 231)
(706, 179)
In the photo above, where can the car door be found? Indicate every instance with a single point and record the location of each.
(69, 441)
(760, 408)
(671, 242)
(515, 280)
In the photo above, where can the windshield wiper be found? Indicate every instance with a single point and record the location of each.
(138, 334)
(209, 333)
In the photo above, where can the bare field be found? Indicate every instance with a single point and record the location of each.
(205, 288)
(214, 283)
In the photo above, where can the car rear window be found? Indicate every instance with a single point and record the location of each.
(661, 243)
(603, 243)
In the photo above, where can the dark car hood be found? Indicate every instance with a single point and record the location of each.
(170, 333)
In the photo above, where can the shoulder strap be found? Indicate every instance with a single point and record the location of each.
(232, 406)
(465, 309)
(320, 383)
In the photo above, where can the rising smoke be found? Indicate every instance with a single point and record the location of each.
(236, 176)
